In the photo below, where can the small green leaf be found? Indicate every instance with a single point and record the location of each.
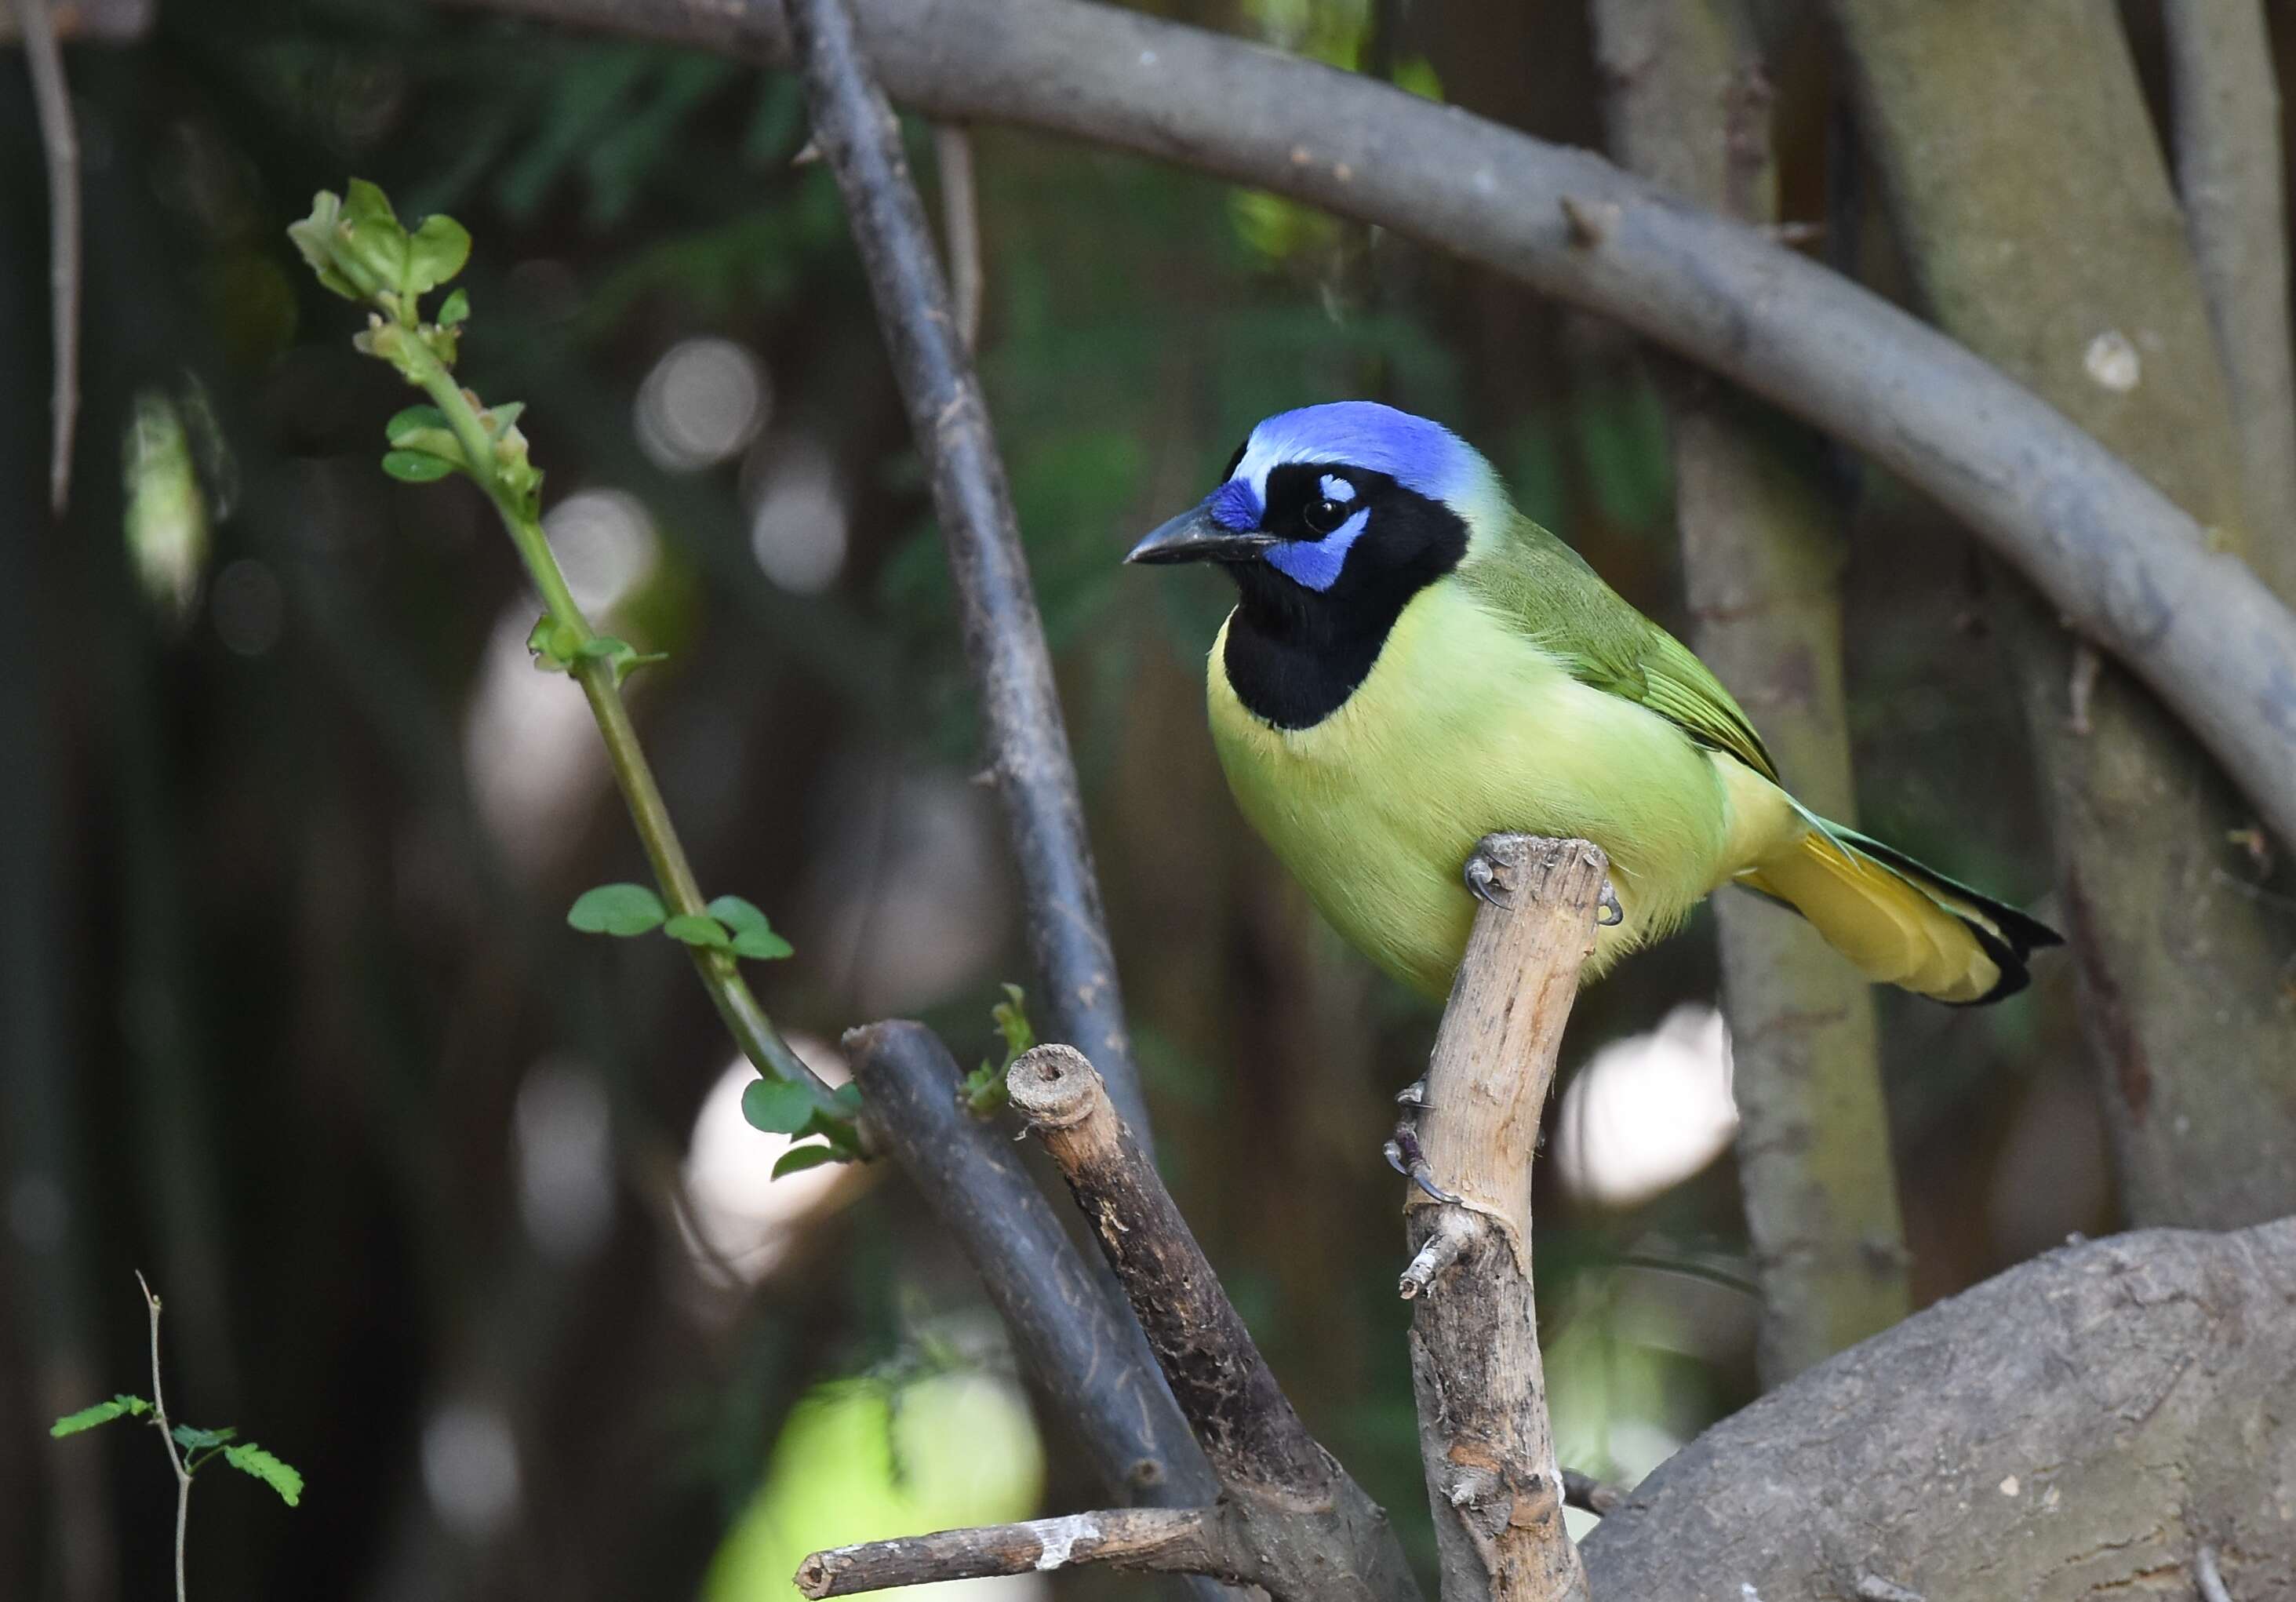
(415, 466)
(753, 935)
(799, 1158)
(103, 1412)
(553, 645)
(601, 645)
(414, 420)
(282, 1477)
(846, 1099)
(696, 929)
(192, 1439)
(623, 909)
(778, 1106)
(438, 250)
(456, 310)
(503, 418)
(624, 666)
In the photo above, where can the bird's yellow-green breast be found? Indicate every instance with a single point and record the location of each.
(1465, 727)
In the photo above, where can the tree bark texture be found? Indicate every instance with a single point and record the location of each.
(2035, 211)
(1762, 562)
(2076, 1429)
(2231, 178)
(1484, 1431)
(2127, 569)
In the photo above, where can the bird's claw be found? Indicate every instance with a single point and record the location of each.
(1608, 913)
(1482, 879)
(1413, 1095)
(1404, 1157)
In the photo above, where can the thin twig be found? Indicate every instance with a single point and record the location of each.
(2206, 1578)
(58, 137)
(1003, 634)
(1173, 1540)
(959, 219)
(1588, 1494)
(2083, 525)
(167, 1437)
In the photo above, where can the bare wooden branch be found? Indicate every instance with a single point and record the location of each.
(1762, 559)
(2076, 1427)
(60, 140)
(1483, 1430)
(1287, 1518)
(1003, 634)
(1173, 1540)
(2231, 180)
(1250, 1431)
(2118, 560)
(1073, 1334)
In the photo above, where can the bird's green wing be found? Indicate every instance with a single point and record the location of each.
(1535, 580)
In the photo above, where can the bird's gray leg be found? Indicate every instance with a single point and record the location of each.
(1403, 1153)
(1608, 913)
(1481, 878)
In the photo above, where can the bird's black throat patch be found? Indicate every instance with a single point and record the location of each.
(1294, 654)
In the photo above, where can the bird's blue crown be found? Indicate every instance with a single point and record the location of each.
(1422, 457)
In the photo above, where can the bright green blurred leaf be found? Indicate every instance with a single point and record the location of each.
(103, 1412)
(696, 929)
(457, 309)
(799, 1158)
(415, 466)
(753, 935)
(438, 249)
(778, 1106)
(252, 1459)
(623, 909)
(414, 421)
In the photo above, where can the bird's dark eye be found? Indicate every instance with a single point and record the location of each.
(1324, 516)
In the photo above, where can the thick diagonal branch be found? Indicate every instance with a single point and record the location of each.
(1004, 635)
(1483, 1428)
(2122, 564)
(1287, 1518)
(1071, 1333)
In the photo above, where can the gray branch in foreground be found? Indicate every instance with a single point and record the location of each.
(2123, 565)
(1484, 1432)
(1027, 741)
(2084, 1422)
(1074, 1337)
(2230, 179)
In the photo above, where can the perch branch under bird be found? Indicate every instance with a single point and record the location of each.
(1287, 1518)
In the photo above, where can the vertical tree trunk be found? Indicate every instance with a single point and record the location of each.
(1688, 108)
(2035, 212)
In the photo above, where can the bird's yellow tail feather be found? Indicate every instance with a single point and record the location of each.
(1899, 923)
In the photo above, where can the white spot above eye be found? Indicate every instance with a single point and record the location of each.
(1337, 489)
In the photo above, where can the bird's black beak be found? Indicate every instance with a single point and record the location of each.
(1194, 536)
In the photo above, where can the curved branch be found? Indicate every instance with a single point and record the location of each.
(2125, 567)
(2086, 1420)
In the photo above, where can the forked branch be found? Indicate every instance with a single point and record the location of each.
(1492, 1479)
(1287, 1518)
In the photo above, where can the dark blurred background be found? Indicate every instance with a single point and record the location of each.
(455, 1208)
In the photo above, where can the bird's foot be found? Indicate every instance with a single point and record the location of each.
(1482, 879)
(1403, 1153)
(1608, 913)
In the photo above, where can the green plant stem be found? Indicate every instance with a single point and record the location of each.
(751, 1029)
(167, 1439)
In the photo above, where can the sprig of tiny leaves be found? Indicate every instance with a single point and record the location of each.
(984, 1092)
(200, 1447)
